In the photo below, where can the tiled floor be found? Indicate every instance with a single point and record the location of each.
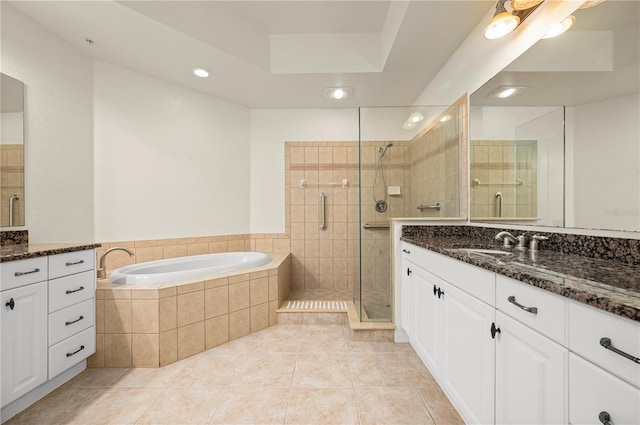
(286, 374)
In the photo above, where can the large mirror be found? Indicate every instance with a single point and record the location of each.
(564, 150)
(11, 152)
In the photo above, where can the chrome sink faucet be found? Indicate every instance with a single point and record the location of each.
(508, 240)
(102, 271)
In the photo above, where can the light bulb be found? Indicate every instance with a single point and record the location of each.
(561, 27)
(501, 24)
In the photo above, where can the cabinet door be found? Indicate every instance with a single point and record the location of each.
(468, 352)
(427, 317)
(595, 392)
(24, 340)
(531, 370)
(408, 298)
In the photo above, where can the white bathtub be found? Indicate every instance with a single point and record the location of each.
(188, 268)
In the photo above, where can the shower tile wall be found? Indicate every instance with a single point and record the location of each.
(322, 259)
(11, 183)
(434, 171)
(495, 166)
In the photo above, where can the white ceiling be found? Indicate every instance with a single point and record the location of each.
(272, 53)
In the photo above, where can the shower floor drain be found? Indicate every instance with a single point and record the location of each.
(300, 305)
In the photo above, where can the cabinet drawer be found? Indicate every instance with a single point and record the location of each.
(587, 327)
(24, 272)
(71, 351)
(593, 390)
(472, 279)
(71, 263)
(71, 320)
(550, 309)
(69, 290)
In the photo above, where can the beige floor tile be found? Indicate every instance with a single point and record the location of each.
(372, 347)
(439, 406)
(322, 406)
(265, 370)
(380, 370)
(323, 342)
(183, 406)
(265, 341)
(54, 407)
(207, 370)
(149, 377)
(322, 371)
(97, 377)
(114, 406)
(252, 406)
(392, 406)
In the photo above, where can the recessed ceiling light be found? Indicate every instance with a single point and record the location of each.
(201, 72)
(504, 92)
(416, 117)
(408, 125)
(338, 93)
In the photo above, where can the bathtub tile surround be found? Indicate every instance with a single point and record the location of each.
(230, 384)
(152, 327)
(599, 271)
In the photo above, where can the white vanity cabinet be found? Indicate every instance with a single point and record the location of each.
(24, 340)
(450, 331)
(47, 323)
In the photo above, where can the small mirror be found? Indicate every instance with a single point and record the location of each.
(11, 152)
(574, 111)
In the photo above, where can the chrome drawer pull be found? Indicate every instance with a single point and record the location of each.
(605, 418)
(74, 264)
(16, 274)
(76, 352)
(532, 310)
(74, 321)
(406, 251)
(606, 343)
(74, 290)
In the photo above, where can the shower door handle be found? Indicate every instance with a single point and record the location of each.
(323, 224)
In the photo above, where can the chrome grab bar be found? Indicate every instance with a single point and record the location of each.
(323, 224)
(499, 196)
(375, 226)
(13, 198)
(422, 207)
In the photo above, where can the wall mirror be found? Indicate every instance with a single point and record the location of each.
(11, 152)
(564, 150)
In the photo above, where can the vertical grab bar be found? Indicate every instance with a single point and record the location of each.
(499, 196)
(323, 224)
(13, 198)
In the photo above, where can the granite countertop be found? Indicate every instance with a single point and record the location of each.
(607, 285)
(34, 250)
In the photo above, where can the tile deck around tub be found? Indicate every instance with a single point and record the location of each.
(286, 374)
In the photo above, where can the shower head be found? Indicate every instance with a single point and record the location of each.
(382, 151)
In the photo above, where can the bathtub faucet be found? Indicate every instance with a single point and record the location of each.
(102, 271)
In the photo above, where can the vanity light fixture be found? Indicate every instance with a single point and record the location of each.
(502, 23)
(446, 118)
(201, 72)
(590, 3)
(560, 27)
(338, 93)
(416, 117)
(504, 92)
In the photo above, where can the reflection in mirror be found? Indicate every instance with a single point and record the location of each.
(11, 152)
(588, 152)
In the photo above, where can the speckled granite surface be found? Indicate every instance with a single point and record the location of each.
(24, 251)
(606, 280)
(14, 237)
